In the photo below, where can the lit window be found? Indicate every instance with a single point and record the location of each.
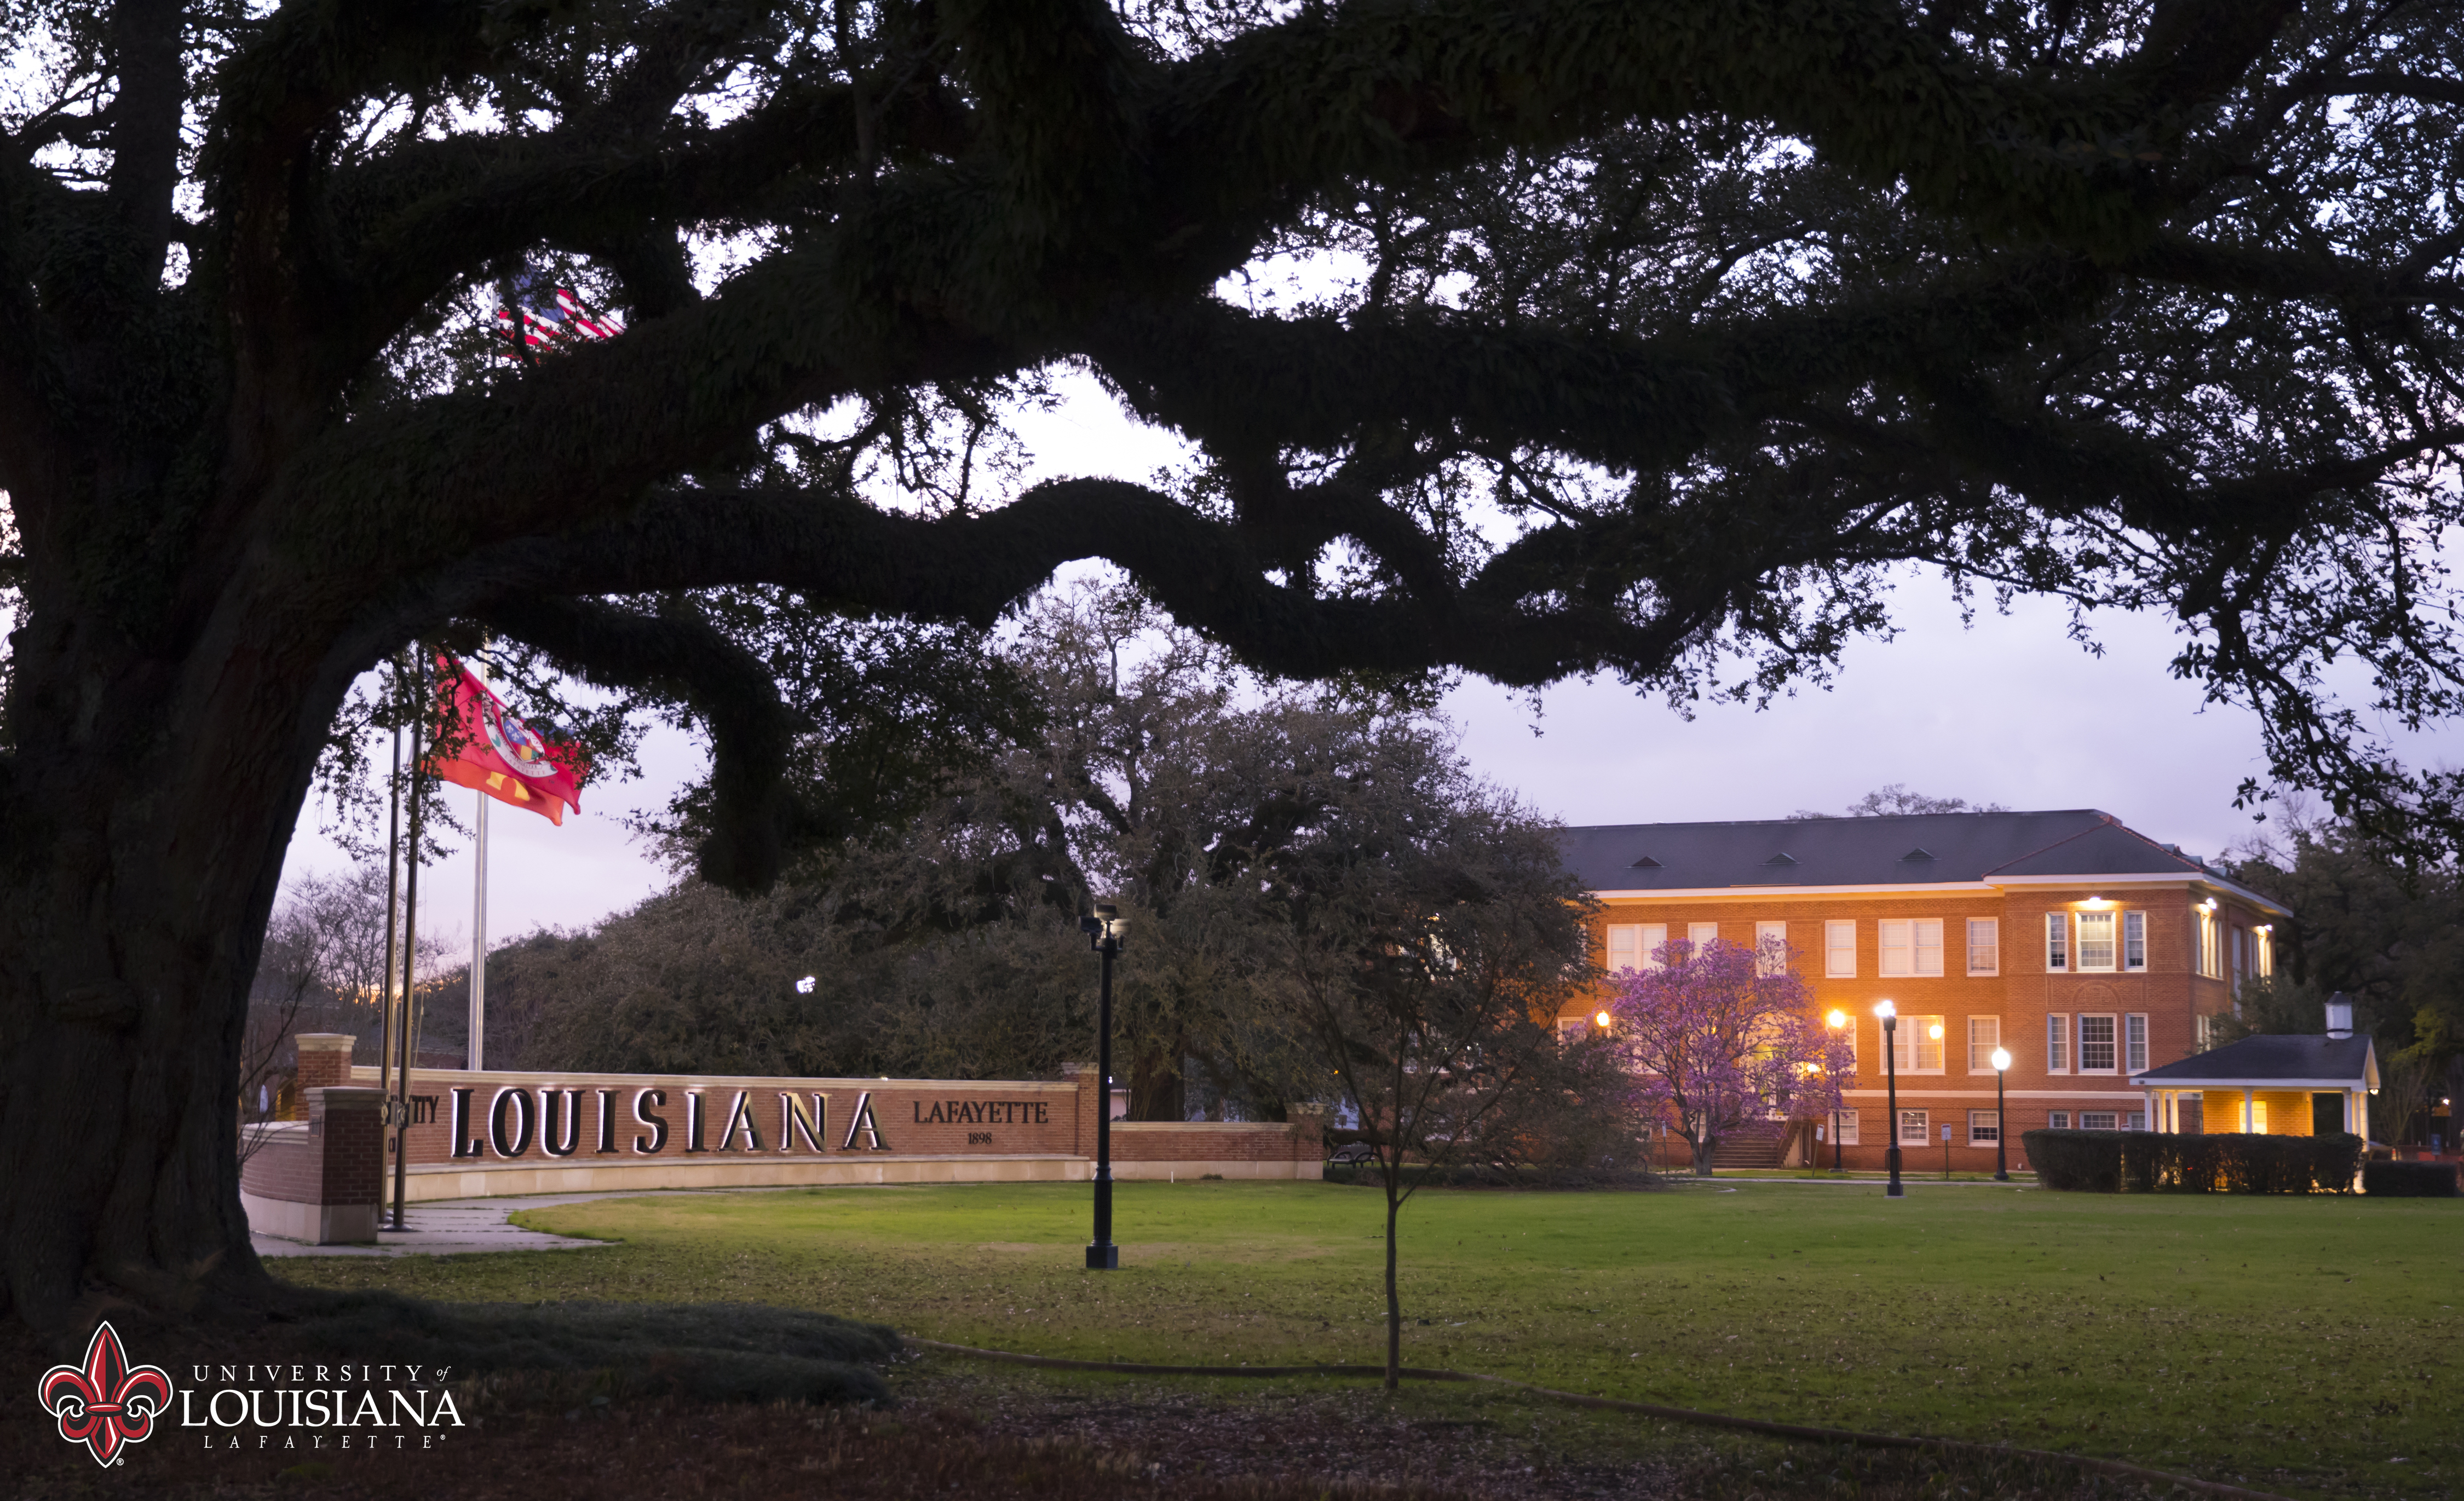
(2134, 1042)
(2266, 951)
(1910, 945)
(1770, 949)
(1840, 950)
(1985, 946)
(2095, 940)
(1848, 1128)
(1984, 1127)
(1621, 937)
(1919, 1045)
(2057, 1120)
(2134, 940)
(2212, 959)
(2258, 1117)
(2058, 1044)
(2100, 1120)
(2096, 1044)
(2058, 940)
(1912, 1127)
(1984, 1035)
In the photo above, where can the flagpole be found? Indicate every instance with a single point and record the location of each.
(479, 939)
(393, 914)
(409, 970)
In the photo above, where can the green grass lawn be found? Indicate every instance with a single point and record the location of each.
(2308, 1343)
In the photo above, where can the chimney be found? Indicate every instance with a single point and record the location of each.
(2340, 1016)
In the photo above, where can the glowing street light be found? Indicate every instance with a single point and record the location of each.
(1890, 1014)
(2001, 1118)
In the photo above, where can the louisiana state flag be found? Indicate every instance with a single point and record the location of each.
(481, 746)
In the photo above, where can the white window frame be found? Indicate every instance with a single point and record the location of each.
(1764, 930)
(1847, 1127)
(1917, 941)
(2211, 944)
(1840, 949)
(1980, 1050)
(1984, 1127)
(1697, 934)
(1991, 928)
(2058, 1042)
(2112, 1120)
(2112, 1041)
(1621, 936)
(2134, 1043)
(2084, 957)
(2057, 942)
(1649, 939)
(2135, 1120)
(2134, 940)
(1913, 1128)
(2266, 934)
(2057, 1120)
(1913, 1041)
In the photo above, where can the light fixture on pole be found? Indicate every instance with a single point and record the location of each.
(1836, 1020)
(2001, 1118)
(1103, 931)
(1890, 1014)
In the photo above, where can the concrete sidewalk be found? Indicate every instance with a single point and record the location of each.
(452, 1226)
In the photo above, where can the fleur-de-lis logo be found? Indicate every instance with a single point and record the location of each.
(106, 1404)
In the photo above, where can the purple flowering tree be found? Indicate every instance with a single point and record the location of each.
(1722, 1037)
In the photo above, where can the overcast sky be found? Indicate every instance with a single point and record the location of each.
(2010, 712)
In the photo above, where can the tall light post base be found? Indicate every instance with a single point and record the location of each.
(1103, 1258)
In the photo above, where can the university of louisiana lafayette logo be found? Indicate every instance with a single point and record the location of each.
(106, 1404)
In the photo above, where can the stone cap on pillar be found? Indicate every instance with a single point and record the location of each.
(325, 1098)
(324, 1041)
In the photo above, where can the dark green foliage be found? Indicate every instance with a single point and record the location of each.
(2152, 1161)
(2411, 1179)
(709, 1352)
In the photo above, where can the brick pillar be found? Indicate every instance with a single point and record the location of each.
(1091, 1098)
(346, 1120)
(1308, 1132)
(325, 1059)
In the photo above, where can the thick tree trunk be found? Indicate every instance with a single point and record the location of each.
(1704, 1147)
(145, 827)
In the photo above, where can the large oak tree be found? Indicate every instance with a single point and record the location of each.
(1664, 330)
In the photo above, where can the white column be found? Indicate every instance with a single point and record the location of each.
(2249, 1098)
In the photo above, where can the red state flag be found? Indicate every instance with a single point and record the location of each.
(482, 746)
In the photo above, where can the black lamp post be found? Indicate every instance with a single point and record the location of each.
(1103, 931)
(2001, 1118)
(1890, 1014)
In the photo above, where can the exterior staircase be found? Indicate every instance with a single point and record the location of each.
(1751, 1147)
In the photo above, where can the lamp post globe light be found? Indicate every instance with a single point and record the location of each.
(1890, 1014)
(2001, 1118)
(1104, 930)
(1836, 1020)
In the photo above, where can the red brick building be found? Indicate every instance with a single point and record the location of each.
(2088, 950)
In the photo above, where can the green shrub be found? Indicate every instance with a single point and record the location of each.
(2411, 1179)
(2150, 1161)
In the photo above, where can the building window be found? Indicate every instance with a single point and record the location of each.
(1985, 946)
(2057, 941)
(2057, 1120)
(1770, 949)
(1912, 1128)
(1921, 1041)
(2207, 1033)
(2212, 959)
(1840, 949)
(2095, 1045)
(2134, 940)
(1984, 1127)
(1699, 934)
(1984, 1035)
(2058, 1044)
(2095, 941)
(2100, 1120)
(2266, 950)
(2134, 1042)
(1910, 945)
(2258, 1117)
(1636, 945)
(2136, 1120)
(1847, 1128)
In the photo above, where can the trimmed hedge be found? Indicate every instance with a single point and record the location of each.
(2411, 1179)
(2154, 1162)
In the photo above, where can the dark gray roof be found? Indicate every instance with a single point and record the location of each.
(2260, 1059)
(1900, 849)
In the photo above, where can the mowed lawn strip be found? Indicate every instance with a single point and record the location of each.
(2218, 1335)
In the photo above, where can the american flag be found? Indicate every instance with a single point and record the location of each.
(544, 317)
